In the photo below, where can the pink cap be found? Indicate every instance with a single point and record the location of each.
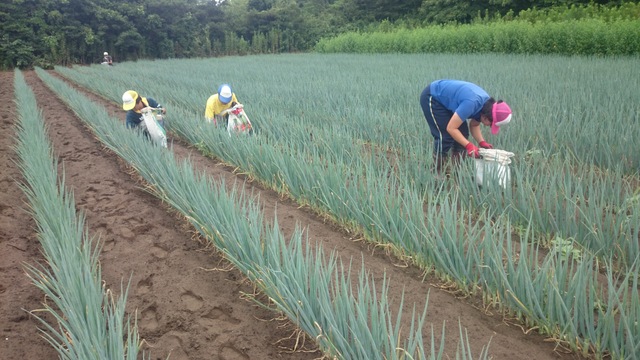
(501, 114)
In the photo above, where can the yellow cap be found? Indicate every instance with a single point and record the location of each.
(129, 99)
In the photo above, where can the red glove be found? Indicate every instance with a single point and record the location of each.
(472, 150)
(486, 145)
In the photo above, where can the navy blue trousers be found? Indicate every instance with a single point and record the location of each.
(438, 117)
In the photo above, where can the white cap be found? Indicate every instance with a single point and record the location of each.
(224, 93)
(106, 53)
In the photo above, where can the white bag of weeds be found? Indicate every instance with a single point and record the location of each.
(493, 166)
(154, 125)
(238, 122)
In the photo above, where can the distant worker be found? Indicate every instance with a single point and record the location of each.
(133, 104)
(455, 108)
(217, 103)
(107, 60)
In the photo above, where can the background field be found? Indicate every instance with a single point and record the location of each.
(344, 135)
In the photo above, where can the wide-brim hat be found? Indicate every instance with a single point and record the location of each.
(129, 99)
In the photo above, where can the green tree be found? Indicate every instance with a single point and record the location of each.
(131, 44)
(447, 11)
(19, 42)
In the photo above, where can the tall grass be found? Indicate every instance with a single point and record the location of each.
(566, 37)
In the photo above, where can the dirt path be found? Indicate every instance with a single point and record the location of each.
(185, 309)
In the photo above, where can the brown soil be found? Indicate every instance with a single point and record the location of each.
(189, 301)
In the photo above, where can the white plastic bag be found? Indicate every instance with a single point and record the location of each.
(494, 167)
(154, 128)
(238, 122)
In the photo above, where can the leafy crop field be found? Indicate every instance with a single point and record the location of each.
(555, 254)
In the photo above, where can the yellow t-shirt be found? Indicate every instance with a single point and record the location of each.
(215, 107)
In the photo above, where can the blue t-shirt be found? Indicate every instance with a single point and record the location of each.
(464, 98)
(134, 118)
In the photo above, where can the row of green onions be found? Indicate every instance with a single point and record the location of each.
(90, 320)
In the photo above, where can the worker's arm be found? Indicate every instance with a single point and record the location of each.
(453, 128)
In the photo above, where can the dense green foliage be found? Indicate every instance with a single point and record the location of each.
(567, 37)
(59, 32)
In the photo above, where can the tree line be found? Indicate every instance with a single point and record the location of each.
(62, 32)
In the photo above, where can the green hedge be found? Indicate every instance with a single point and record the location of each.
(571, 37)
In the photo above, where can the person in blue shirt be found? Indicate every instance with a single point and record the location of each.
(454, 109)
(133, 103)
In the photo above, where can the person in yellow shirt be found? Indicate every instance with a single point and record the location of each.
(217, 103)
